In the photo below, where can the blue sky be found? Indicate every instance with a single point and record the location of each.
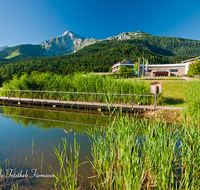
(33, 21)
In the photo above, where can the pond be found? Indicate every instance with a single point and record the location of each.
(27, 137)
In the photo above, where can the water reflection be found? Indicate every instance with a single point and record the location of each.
(27, 136)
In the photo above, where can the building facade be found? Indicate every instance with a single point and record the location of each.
(167, 70)
(178, 69)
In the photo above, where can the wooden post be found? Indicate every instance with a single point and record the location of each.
(75, 98)
(155, 101)
(59, 96)
(92, 98)
(132, 102)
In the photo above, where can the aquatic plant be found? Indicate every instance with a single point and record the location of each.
(15, 187)
(133, 154)
(66, 178)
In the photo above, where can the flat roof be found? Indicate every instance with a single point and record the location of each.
(192, 59)
(168, 65)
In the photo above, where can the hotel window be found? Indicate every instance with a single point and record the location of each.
(173, 70)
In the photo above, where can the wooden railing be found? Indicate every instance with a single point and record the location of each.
(123, 99)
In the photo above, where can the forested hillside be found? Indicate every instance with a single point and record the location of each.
(21, 51)
(98, 59)
(168, 46)
(177, 46)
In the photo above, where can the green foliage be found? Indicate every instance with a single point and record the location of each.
(194, 68)
(80, 83)
(67, 177)
(136, 67)
(192, 99)
(170, 46)
(124, 69)
(141, 154)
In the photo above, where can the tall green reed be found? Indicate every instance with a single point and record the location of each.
(67, 176)
(79, 83)
(133, 154)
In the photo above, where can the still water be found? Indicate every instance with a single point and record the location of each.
(27, 137)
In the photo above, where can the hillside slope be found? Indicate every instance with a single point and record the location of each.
(70, 42)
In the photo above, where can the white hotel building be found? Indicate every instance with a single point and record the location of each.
(178, 69)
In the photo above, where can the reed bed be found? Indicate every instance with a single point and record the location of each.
(133, 154)
(79, 83)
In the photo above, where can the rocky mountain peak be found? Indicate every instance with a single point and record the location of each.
(126, 35)
(4, 47)
(69, 42)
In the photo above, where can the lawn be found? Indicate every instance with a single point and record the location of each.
(173, 92)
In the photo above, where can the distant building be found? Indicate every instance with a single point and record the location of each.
(178, 69)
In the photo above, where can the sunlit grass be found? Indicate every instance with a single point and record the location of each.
(14, 54)
(192, 99)
(173, 92)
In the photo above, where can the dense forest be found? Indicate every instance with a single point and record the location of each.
(171, 45)
(97, 58)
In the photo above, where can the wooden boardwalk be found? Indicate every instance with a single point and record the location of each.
(95, 105)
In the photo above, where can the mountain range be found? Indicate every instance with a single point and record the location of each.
(71, 42)
(4, 47)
